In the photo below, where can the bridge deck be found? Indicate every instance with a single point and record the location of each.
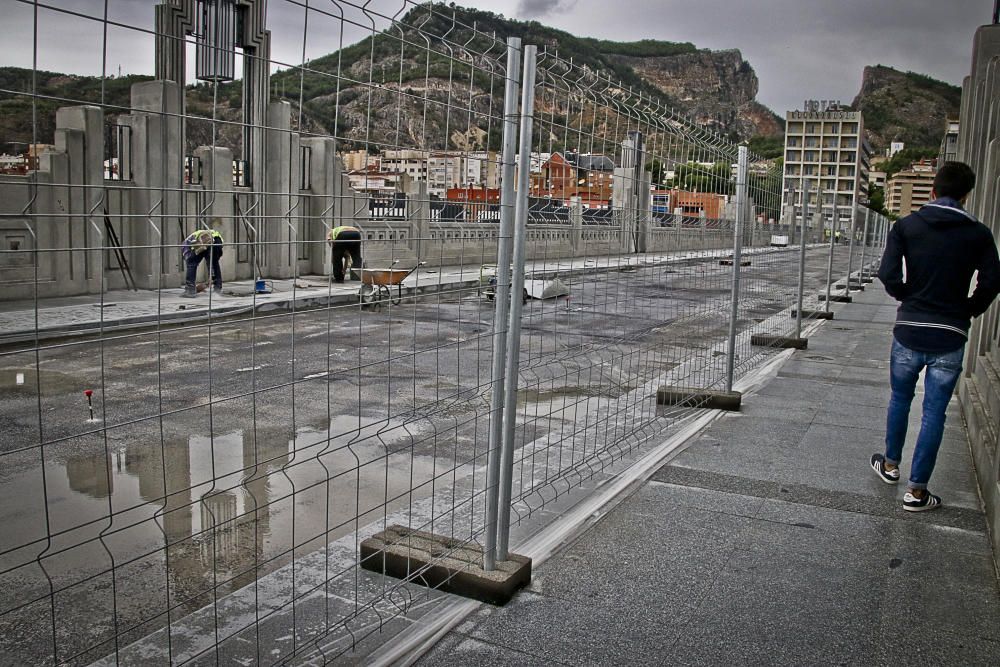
(768, 540)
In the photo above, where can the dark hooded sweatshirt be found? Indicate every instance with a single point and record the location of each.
(942, 246)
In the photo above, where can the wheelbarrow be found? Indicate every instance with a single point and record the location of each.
(376, 284)
(488, 283)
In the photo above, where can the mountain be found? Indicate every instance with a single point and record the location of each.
(905, 106)
(717, 89)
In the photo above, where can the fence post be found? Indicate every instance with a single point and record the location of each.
(833, 240)
(850, 249)
(516, 289)
(741, 205)
(864, 244)
(501, 300)
(802, 254)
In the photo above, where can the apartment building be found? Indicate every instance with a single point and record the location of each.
(908, 190)
(826, 148)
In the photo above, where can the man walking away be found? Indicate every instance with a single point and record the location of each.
(345, 241)
(204, 244)
(942, 247)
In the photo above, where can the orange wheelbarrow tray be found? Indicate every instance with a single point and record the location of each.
(385, 276)
(375, 284)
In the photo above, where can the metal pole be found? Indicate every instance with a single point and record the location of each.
(502, 297)
(802, 254)
(850, 248)
(741, 202)
(516, 289)
(864, 243)
(829, 264)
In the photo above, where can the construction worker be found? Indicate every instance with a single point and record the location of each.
(204, 244)
(344, 241)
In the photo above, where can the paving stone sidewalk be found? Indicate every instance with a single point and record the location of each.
(769, 541)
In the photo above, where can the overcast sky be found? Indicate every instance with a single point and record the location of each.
(800, 49)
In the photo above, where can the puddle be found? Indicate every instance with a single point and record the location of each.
(202, 513)
(544, 396)
(25, 381)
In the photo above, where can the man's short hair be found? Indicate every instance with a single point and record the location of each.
(954, 179)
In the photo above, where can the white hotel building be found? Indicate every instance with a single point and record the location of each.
(827, 148)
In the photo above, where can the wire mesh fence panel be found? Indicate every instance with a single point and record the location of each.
(263, 291)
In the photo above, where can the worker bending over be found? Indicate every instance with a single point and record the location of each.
(345, 241)
(204, 244)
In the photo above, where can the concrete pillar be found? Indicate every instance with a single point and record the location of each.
(80, 134)
(158, 174)
(217, 211)
(281, 181)
(419, 213)
(321, 204)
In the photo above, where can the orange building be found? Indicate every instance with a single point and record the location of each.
(690, 203)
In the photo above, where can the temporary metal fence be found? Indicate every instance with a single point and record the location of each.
(189, 479)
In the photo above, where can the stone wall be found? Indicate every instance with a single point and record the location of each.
(979, 146)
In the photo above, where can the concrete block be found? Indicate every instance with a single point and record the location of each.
(814, 314)
(728, 261)
(784, 342)
(837, 298)
(699, 398)
(443, 563)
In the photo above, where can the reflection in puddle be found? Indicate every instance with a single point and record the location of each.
(183, 523)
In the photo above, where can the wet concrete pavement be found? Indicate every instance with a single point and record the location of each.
(768, 540)
(221, 454)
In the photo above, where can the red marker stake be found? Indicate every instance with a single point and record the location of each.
(90, 403)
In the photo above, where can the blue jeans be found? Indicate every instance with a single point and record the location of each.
(943, 371)
(211, 257)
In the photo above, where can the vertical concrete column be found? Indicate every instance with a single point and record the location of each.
(280, 178)
(418, 212)
(158, 174)
(217, 179)
(80, 134)
(320, 204)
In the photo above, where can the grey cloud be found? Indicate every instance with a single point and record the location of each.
(534, 9)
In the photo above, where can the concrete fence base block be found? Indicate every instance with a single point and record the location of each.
(837, 298)
(444, 564)
(867, 281)
(784, 342)
(699, 398)
(857, 287)
(815, 314)
(729, 262)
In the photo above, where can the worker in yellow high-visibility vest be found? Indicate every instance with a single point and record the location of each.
(345, 241)
(204, 244)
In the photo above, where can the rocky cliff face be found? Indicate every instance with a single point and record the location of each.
(905, 106)
(717, 89)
